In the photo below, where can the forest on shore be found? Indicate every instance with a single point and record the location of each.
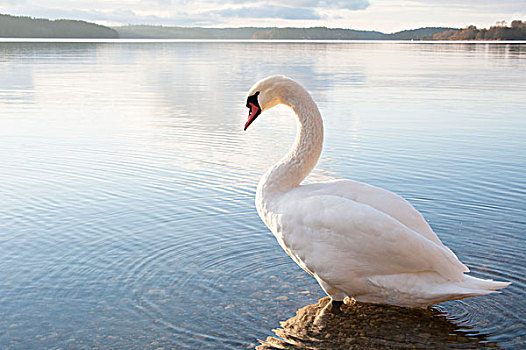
(314, 33)
(517, 31)
(27, 27)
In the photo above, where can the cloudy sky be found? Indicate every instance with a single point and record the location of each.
(383, 15)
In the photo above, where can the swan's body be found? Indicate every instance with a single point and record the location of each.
(355, 239)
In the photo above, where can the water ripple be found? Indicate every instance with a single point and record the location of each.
(127, 188)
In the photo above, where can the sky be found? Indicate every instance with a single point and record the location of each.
(382, 15)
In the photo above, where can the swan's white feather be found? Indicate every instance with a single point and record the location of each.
(339, 239)
(385, 201)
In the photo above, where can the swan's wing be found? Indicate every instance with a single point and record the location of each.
(380, 199)
(341, 240)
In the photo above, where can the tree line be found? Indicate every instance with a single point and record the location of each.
(517, 31)
(27, 27)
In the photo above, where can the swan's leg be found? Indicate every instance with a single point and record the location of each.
(335, 294)
(334, 306)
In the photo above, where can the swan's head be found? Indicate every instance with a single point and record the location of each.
(267, 93)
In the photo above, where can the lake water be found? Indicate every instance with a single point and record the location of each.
(126, 185)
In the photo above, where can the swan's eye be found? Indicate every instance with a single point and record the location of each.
(253, 99)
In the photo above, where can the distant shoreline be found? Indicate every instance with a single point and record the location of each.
(248, 41)
(27, 27)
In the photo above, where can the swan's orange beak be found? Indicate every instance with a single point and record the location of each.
(254, 109)
(252, 114)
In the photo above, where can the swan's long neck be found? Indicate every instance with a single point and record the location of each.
(290, 171)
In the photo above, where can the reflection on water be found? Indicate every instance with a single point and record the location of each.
(127, 216)
(368, 326)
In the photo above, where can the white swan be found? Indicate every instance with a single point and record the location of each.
(353, 238)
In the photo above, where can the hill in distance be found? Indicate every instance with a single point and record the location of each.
(517, 31)
(162, 32)
(27, 27)
(315, 33)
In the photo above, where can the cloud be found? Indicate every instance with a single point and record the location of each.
(113, 15)
(336, 4)
(294, 9)
(178, 12)
(268, 12)
(319, 4)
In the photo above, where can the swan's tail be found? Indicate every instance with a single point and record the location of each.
(478, 286)
(469, 287)
(428, 288)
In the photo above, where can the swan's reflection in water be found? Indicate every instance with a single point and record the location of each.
(367, 326)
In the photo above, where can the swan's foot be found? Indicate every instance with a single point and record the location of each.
(333, 307)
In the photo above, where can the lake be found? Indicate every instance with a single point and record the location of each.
(127, 186)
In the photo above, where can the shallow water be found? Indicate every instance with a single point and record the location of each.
(127, 183)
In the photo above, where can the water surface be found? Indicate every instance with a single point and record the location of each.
(127, 184)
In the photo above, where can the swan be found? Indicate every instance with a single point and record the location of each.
(355, 239)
